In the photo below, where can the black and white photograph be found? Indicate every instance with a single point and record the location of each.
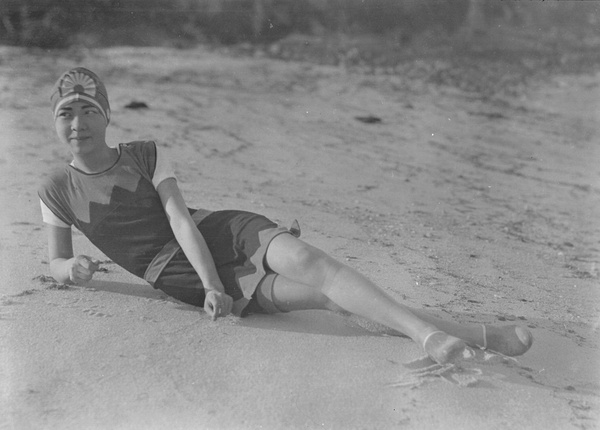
(299, 214)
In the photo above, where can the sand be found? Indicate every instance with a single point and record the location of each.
(478, 209)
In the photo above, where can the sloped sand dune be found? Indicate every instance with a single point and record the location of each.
(477, 209)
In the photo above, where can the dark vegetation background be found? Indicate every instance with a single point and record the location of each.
(472, 37)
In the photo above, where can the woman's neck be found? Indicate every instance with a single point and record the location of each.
(97, 162)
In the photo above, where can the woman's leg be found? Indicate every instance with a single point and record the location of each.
(339, 286)
(310, 279)
(509, 340)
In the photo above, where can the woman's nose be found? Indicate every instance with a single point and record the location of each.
(77, 123)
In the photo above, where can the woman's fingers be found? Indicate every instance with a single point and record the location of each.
(83, 268)
(211, 305)
(217, 304)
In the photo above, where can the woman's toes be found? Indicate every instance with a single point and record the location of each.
(510, 340)
(524, 336)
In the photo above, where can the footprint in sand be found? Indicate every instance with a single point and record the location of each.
(94, 313)
(462, 375)
(6, 313)
(6, 301)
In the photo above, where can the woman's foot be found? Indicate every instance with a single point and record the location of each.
(511, 340)
(443, 348)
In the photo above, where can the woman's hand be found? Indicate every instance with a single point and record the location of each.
(217, 304)
(82, 269)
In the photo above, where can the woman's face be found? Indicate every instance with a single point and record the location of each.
(82, 126)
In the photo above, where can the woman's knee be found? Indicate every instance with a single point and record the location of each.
(299, 259)
(307, 257)
(308, 260)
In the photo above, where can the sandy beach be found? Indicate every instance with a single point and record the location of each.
(479, 209)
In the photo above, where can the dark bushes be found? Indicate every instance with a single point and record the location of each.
(59, 23)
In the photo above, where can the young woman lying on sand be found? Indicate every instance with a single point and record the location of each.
(125, 199)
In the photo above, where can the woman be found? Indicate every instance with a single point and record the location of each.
(126, 200)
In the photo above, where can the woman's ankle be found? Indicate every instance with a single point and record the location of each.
(443, 348)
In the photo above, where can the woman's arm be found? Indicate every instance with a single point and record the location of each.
(64, 267)
(194, 246)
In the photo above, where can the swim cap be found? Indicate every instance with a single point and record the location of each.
(80, 84)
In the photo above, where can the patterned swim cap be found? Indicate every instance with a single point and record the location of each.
(80, 84)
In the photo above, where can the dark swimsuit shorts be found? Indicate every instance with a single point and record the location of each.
(238, 242)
